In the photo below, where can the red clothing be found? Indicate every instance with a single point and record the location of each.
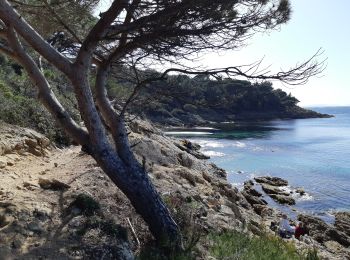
(299, 231)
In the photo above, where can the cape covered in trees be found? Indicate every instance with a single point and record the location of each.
(182, 100)
(178, 100)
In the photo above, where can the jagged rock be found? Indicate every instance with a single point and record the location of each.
(206, 177)
(52, 184)
(323, 232)
(230, 193)
(283, 199)
(274, 181)
(32, 143)
(21, 140)
(269, 189)
(185, 160)
(192, 149)
(248, 184)
(342, 222)
(301, 191)
(29, 186)
(262, 210)
(219, 172)
(253, 192)
(142, 127)
(253, 199)
(9, 163)
(190, 145)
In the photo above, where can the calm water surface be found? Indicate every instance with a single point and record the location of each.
(309, 153)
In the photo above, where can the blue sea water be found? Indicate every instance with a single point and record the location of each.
(309, 153)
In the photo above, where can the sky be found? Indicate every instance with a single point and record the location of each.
(314, 24)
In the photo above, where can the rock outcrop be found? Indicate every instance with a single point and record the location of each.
(342, 222)
(274, 181)
(14, 139)
(272, 187)
(323, 232)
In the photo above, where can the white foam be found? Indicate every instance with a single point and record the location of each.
(305, 197)
(213, 153)
(208, 143)
(240, 144)
(205, 128)
(239, 185)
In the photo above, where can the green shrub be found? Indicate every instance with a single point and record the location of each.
(87, 204)
(235, 245)
(19, 105)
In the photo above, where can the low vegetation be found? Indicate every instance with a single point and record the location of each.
(20, 106)
(235, 245)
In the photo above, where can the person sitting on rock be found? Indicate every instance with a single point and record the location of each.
(285, 230)
(300, 230)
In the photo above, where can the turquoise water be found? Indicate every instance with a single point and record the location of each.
(309, 153)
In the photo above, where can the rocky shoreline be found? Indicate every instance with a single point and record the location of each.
(41, 216)
(192, 120)
(324, 237)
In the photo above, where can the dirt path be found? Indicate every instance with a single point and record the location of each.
(35, 223)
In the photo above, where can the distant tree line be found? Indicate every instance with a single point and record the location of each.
(181, 99)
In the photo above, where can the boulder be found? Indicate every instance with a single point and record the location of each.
(274, 181)
(252, 192)
(219, 172)
(52, 184)
(342, 222)
(282, 199)
(20, 140)
(262, 210)
(253, 199)
(323, 232)
(248, 184)
(301, 191)
(269, 189)
(191, 148)
(185, 160)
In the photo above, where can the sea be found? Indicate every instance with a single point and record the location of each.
(313, 154)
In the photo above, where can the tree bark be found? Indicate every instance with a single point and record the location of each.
(136, 185)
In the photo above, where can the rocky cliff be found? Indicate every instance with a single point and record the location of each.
(58, 204)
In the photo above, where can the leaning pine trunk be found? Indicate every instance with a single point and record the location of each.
(136, 185)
